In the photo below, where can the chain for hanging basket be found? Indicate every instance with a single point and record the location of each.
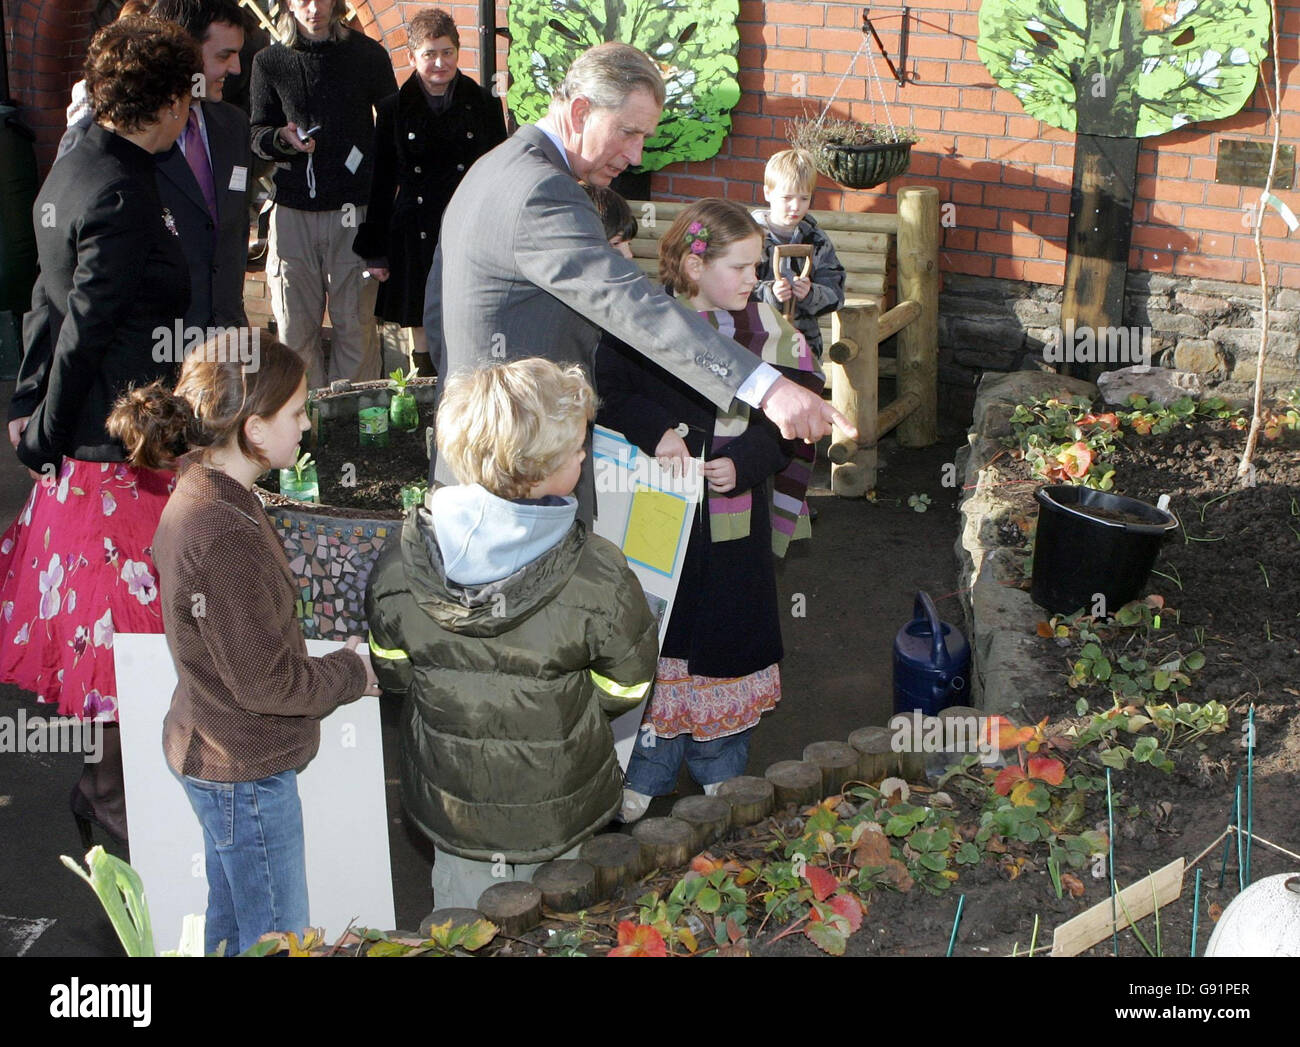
(863, 166)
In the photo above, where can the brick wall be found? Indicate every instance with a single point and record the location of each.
(1007, 174)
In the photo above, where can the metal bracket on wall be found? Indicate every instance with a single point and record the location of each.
(900, 73)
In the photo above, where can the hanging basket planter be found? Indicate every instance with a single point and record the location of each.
(864, 166)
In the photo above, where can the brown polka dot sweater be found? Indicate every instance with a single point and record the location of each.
(248, 700)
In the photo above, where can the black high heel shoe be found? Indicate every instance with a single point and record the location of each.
(83, 813)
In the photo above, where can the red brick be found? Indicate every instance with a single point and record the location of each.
(1201, 169)
(838, 40)
(1030, 153)
(1051, 226)
(966, 193)
(930, 73)
(929, 45)
(1020, 199)
(975, 123)
(1171, 189)
(923, 164)
(969, 73)
(968, 264)
(1211, 219)
(971, 147)
(926, 119)
(791, 36)
(1165, 214)
(843, 15)
(1224, 196)
(1208, 268)
(796, 60)
(973, 98)
(756, 126)
(980, 171)
(1014, 174)
(1053, 178)
(794, 14)
(740, 170)
(1158, 237)
(1043, 272)
(1171, 165)
(697, 187)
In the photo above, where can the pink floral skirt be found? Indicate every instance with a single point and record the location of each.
(708, 707)
(75, 568)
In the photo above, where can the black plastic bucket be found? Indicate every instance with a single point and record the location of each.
(1079, 556)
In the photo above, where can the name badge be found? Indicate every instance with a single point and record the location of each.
(353, 161)
(238, 179)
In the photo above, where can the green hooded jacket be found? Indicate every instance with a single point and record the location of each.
(507, 753)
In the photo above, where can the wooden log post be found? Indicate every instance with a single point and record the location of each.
(750, 798)
(567, 885)
(795, 782)
(514, 906)
(837, 761)
(876, 757)
(665, 843)
(911, 753)
(708, 816)
(616, 858)
(456, 917)
(918, 342)
(853, 371)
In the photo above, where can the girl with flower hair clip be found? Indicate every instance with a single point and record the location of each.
(718, 668)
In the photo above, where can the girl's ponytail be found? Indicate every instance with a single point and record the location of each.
(154, 425)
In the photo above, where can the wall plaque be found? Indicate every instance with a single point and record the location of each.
(1246, 163)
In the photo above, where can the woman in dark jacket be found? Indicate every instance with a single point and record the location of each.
(426, 137)
(76, 566)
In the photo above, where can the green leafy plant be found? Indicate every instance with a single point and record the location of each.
(121, 893)
(919, 502)
(301, 465)
(694, 42)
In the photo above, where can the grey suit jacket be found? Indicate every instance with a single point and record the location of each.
(523, 268)
(217, 253)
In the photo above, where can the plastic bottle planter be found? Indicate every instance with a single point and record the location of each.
(1093, 549)
(301, 486)
(373, 426)
(312, 437)
(413, 494)
(403, 412)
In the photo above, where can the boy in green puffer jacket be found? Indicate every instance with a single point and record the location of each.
(512, 633)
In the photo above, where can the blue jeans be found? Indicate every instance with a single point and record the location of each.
(256, 862)
(653, 768)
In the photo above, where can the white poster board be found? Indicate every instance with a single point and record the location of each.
(345, 819)
(646, 511)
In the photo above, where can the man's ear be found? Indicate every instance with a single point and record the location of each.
(579, 110)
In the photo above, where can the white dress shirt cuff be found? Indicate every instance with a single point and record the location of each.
(756, 386)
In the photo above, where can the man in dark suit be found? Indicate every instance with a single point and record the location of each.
(523, 267)
(212, 219)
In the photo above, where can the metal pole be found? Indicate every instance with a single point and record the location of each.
(487, 42)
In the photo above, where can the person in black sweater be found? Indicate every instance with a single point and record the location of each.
(426, 137)
(312, 100)
(76, 567)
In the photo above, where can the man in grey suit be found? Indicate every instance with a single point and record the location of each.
(523, 267)
(213, 232)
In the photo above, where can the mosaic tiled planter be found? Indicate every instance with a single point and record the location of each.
(330, 549)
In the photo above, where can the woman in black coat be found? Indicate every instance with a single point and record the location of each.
(76, 567)
(426, 137)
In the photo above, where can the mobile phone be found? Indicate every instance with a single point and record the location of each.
(306, 135)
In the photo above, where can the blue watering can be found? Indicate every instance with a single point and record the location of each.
(931, 662)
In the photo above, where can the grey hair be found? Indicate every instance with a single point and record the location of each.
(606, 74)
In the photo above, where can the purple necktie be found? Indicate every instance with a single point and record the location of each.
(197, 157)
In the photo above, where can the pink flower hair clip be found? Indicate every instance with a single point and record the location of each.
(697, 236)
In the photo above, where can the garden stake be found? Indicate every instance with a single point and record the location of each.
(1196, 910)
(952, 939)
(1227, 840)
(1241, 872)
(1250, 787)
(1110, 843)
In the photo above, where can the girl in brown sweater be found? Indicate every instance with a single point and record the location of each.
(246, 712)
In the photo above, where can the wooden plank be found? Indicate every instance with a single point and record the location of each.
(1092, 925)
(918, 342)
(1097, 244)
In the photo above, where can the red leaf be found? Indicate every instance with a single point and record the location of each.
(1006, 735)
(1046, 769)
(848, 906)
(638, 940)
(1007, 778)
(822, 882)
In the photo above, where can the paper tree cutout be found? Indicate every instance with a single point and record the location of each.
(695, 43)
(1126, 70)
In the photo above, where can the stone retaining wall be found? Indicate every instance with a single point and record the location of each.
(1209, 327)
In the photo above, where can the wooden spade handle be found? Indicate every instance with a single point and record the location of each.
(783, 251)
